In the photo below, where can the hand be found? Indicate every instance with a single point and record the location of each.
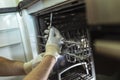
(28, 66)
(53, 46)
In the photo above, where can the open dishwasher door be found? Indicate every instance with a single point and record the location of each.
(76, 61)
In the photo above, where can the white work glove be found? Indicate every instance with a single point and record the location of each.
(28, 66)
(53, 46)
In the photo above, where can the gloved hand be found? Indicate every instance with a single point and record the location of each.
(53, 46)
(28, 66)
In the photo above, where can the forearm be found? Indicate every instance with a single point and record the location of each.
(11, 68)
(42, 71)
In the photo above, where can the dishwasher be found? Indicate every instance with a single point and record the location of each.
(76, 60)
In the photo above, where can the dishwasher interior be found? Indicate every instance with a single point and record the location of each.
(76, 60)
